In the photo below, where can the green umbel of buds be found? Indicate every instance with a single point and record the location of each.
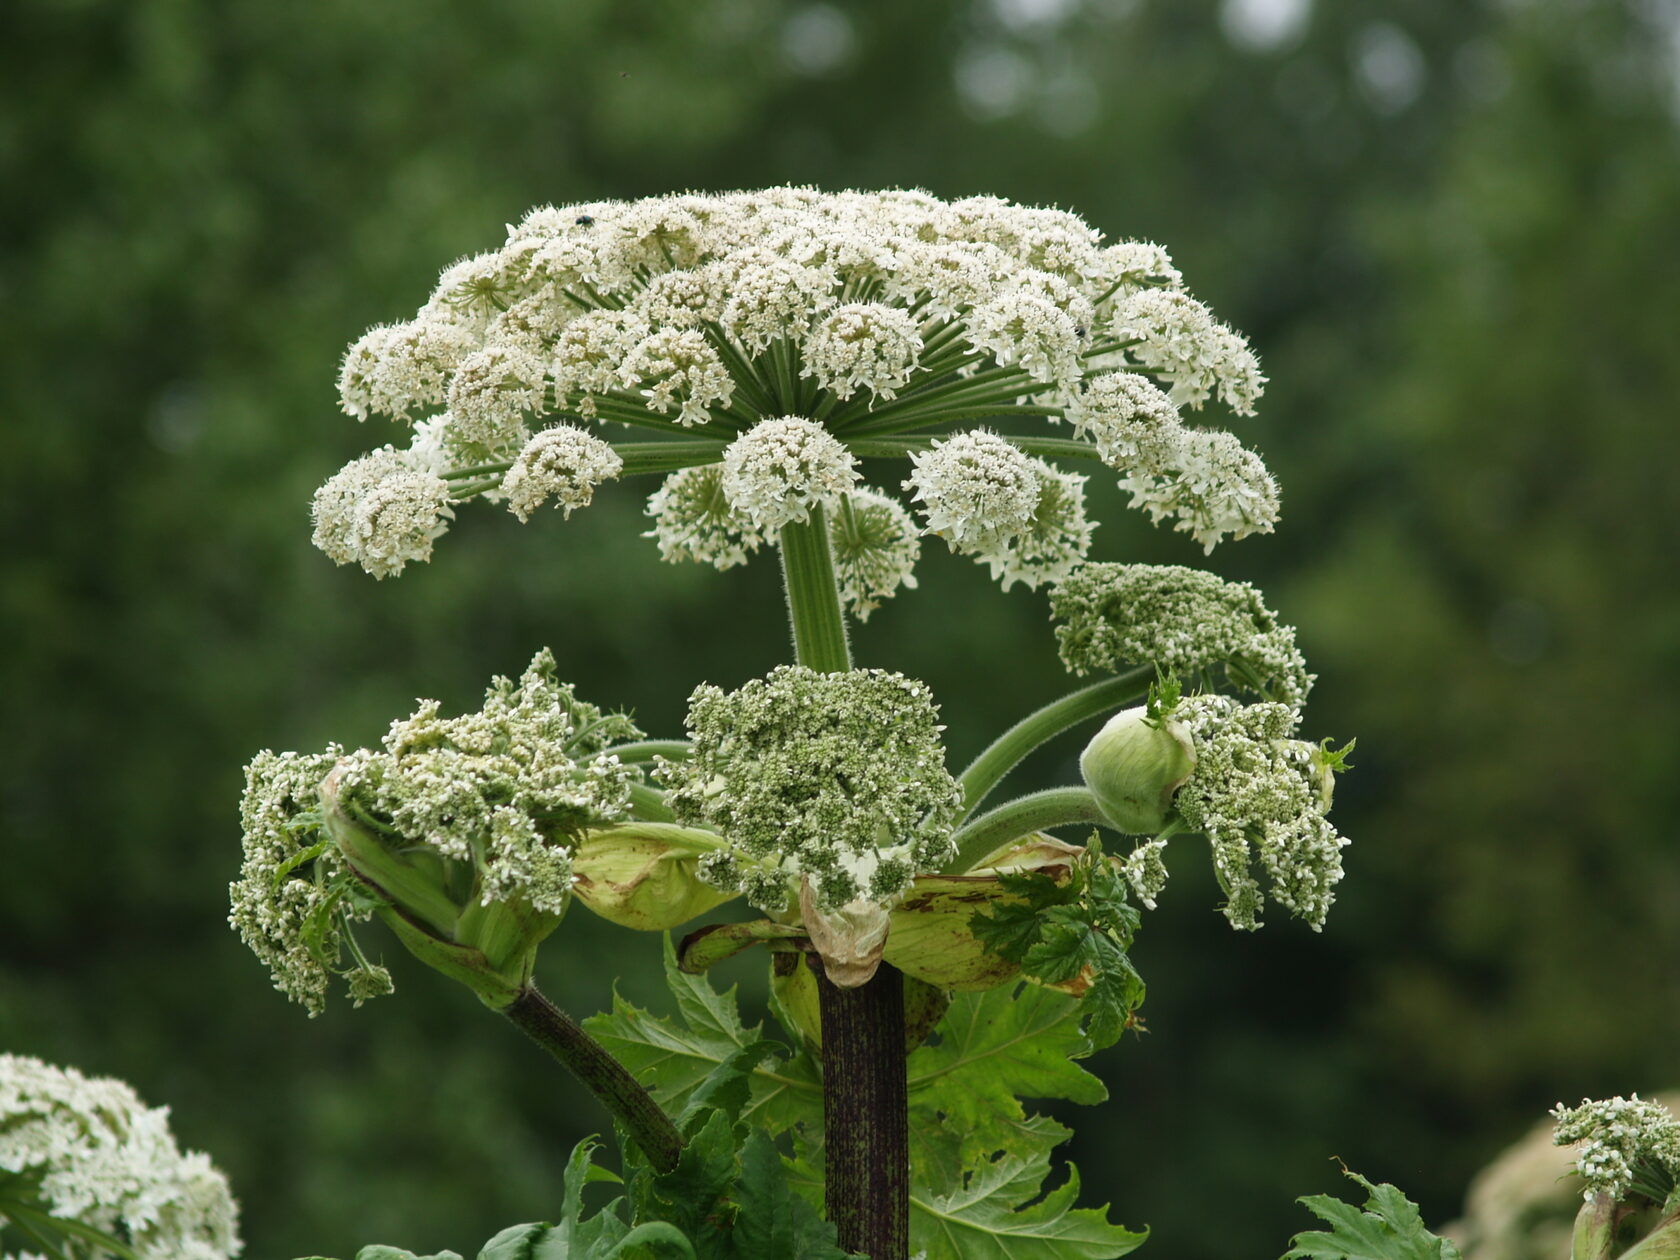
(458, 832)
(1133, 766)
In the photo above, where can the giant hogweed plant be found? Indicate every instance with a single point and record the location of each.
(935, 958)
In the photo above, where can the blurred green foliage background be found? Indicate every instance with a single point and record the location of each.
(1451, 227)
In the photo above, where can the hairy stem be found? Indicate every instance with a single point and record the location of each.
(1005, 752)
(819, 623)
(648, 803)
(641, 458)
(985, 835)
(866, 1133)
(604, 1076)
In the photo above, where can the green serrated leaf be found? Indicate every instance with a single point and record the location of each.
(377, 1252)
(692, 1195)
(1074, 935)
(994, 1049)
(728, 1088)
(655, 1240)
(772, 1219)
(985, 1219)
(1389, 1228)
(516, 1242)
(675, 1057)
(1008, 929)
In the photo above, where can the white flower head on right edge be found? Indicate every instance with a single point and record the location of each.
(1626, 1144)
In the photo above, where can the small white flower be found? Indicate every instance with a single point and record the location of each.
(1186, 622)
(395, 368)
(875, 545)
(1130, 421)
(693, 520)
(977, 490)
(684, 299)
(88, 1150)
(778, 470)
(1620, 1138)
(381, 512)
(771, 298)
(948, 278)
(1215, 486)
(564, 463)
(863, 344)
(490, 394)
(1257, 792)
(1129, 266)
(1025, 328)
(481, 286)
(1054, 541)
(1180, 339)
(677, 368)
(589, 353)
(839, 778)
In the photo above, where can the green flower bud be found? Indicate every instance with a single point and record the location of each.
(645, 875)
(1133, 766)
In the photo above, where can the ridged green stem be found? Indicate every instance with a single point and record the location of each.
(647, 749)
(1005, 752)
(819, 623)
(1058, 807)
(648, 803)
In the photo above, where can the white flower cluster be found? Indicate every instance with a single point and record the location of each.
(777, 471)
(97, 1156)
(1184, 621)
(382, 511)
(564, 463)
(504, 791)
(1216, 487)
(864, 315)
(840, 778)
(875, 544)
(1626, 1144)
(694, 520)
(1257, 792)
(288, 904)
(1022, 516)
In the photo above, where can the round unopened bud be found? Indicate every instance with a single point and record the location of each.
(1133, 766)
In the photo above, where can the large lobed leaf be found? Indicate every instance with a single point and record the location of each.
(984, 1218)
(675, 1057)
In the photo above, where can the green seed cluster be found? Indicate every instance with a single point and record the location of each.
(840, 778)
(1186, 622)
